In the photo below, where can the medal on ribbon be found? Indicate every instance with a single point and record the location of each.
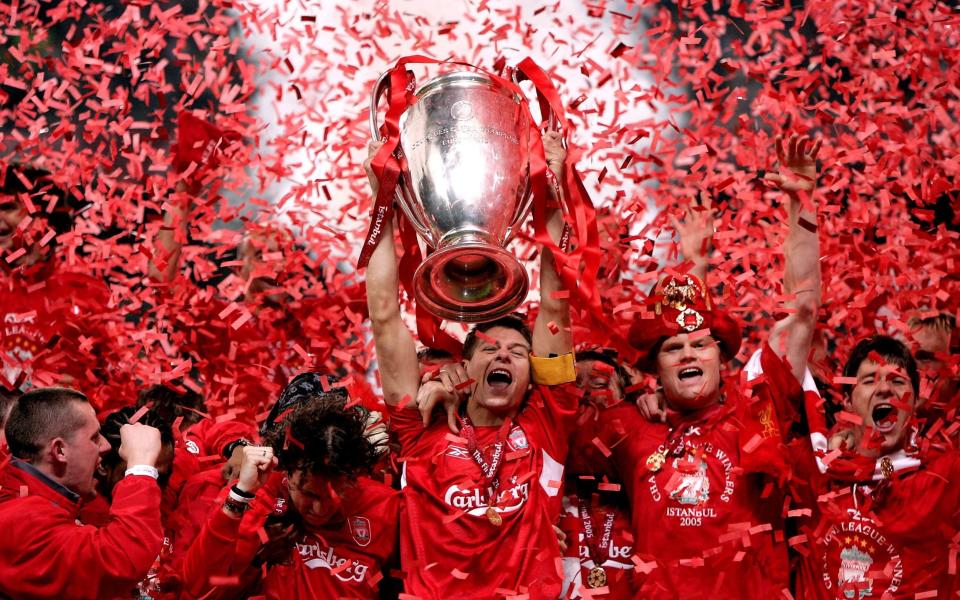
(599, 550)
(597, 578)
(490, 467)
(655, 461)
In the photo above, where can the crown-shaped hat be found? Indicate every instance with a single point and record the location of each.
(681, 304)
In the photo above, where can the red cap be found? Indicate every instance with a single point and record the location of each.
(681, 305)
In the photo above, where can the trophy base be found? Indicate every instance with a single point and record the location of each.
(470, 282)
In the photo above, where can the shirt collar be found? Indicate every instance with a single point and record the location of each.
(45, 479)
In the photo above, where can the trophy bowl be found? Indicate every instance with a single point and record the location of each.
(465, 187)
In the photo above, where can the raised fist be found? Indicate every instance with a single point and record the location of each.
(139, 444)
(257, 464)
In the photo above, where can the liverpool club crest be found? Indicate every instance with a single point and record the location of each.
(360, 530)
(859, 561)
(854, 566)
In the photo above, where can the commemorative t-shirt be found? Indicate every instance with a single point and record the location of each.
(706, 515)
(449, 547)
(892, 538)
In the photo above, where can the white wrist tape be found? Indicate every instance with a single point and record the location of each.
(142, 470)
(238, 498)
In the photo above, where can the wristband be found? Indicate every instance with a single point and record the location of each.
(145, 470)
(229, 448)
(241, 496)
(231, 505)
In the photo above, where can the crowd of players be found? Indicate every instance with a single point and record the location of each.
(519, 469)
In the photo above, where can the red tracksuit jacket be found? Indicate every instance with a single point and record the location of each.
(45, 552)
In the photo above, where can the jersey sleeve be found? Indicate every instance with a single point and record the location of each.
(553, 401)
(554, 410)
(770, 404)
(787, 394)
(407, 425)
(219, 560)
(67, 561)
(211, 558)
(212, 436)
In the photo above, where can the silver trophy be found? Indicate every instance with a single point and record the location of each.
(465, 187)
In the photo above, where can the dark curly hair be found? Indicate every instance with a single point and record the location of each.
(110, 429)
(323, 436)
(170, 404)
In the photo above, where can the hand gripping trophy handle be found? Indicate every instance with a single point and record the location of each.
(465, 187)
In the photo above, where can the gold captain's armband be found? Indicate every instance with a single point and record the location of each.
(554, 370)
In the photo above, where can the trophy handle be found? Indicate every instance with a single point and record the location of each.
(407, 204)
(523, 208)
(551, 119)
(382, 84)
(402, 194)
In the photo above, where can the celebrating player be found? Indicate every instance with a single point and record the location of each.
(707, 522)
(479, 508)
(328, 529)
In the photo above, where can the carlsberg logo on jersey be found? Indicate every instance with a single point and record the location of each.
(622, 553)
(475, 501)
(315, 558)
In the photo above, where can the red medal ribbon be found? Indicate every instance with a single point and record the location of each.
(490, 467)
(599, 552)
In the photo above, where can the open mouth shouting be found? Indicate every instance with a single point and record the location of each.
(499, 380)
(884, 416)
(688, 374)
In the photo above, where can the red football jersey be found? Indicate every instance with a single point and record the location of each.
(343, 560)
(209, 437)
(706, 516)
(449, 548)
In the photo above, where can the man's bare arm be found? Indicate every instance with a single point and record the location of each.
(169, 241)
(792, 336)
(553, 309)
(396, 350)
